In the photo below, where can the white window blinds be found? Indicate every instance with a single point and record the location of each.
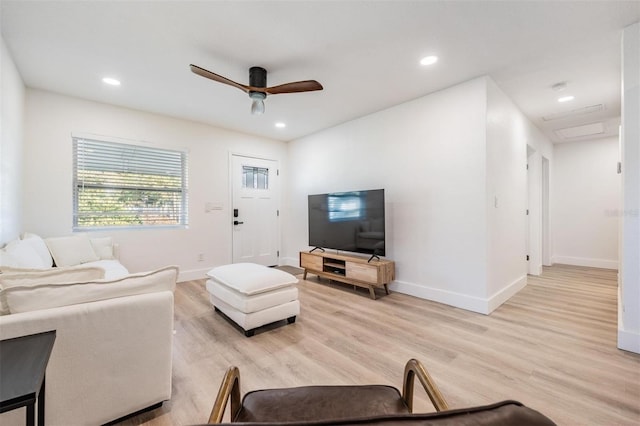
(122, 185)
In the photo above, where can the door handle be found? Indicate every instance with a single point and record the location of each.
(235, 222)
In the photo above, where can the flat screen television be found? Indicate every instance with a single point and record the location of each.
(349, 221)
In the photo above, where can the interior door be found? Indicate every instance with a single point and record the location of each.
(255, 210)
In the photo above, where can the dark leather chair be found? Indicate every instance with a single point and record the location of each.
(357, 405)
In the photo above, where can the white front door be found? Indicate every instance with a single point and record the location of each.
(255, 210)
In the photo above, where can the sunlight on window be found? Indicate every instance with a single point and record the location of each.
(122, 185)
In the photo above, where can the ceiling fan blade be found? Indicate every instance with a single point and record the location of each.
(215, 77)
(298, 86)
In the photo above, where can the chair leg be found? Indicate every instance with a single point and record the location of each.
(415, 368)
(229, 388)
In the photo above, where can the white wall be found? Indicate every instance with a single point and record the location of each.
(443, 160)
(629, 306)
(51, 119)
(509, 133)
(11, 133)
(586, 203)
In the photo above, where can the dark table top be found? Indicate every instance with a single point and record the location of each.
(23, 361)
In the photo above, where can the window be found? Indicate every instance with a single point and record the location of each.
(255, 177)
(121, 185)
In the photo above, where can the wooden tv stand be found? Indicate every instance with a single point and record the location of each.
(349, 269)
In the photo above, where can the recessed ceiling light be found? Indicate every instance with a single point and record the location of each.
(428, 60)
(565, 98)
(280, 125)
(111, 81)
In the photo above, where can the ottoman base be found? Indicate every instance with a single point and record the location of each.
(249, 322)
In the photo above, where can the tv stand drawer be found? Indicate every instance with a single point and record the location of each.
(311, 262)
(362, 272)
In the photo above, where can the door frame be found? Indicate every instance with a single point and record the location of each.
(538, 223)
(230, 213)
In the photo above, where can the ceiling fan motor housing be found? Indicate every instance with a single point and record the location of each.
(257, 77)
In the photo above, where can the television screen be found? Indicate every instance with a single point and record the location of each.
(350, 221)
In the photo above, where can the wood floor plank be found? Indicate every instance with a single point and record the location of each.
(552, 346)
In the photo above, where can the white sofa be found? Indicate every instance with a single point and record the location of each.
(31, 252)
(112, 354)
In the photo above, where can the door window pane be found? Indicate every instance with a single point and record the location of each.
(255, 177)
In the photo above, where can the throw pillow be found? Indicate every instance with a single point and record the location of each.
(103, 247)
(38, 244)
(19, 254)
(70, 251)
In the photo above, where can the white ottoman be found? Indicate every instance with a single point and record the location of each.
(253, 295)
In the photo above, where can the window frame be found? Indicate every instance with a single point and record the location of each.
(131, 153)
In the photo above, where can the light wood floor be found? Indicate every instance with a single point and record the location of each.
(552, 347)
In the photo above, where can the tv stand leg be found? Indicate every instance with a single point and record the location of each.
(386, 288)
(372, 292)
(304, 276)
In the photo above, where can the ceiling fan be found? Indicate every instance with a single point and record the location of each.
(257, 88)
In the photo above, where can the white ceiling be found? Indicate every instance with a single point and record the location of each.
(365, 54)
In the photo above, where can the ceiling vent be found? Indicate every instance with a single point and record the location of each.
(581, 131)
(574, 112)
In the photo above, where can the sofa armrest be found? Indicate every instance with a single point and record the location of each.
(116, 350)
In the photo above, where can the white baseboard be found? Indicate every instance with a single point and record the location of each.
(458, 300)
(584, 261)
(464, 301)
(290, 261)
(193, 274)
(629, 341)
(506, 293)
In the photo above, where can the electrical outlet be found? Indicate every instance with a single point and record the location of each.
(201, 257)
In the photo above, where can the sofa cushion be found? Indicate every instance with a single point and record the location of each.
(113, 269)
(43, 296)
(70, 251)
(103, 247)
(38, 244)
(21, 254)
(250, 278)
(53, 276)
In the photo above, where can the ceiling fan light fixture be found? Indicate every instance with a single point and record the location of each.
(257, 104)
(257, 88)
